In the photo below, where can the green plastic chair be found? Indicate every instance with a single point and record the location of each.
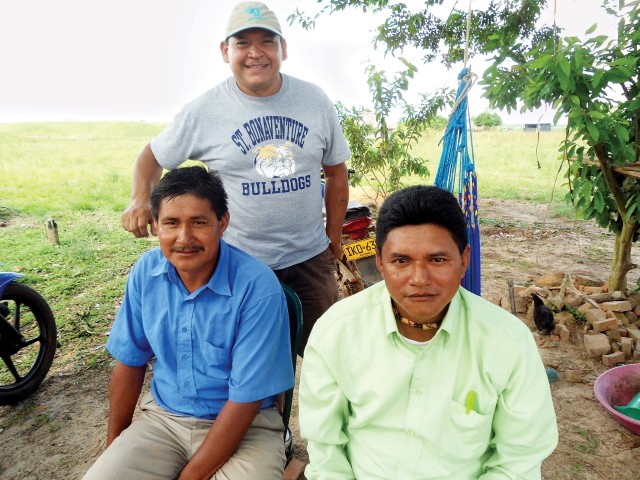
(295, 328)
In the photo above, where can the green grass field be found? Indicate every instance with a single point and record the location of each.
(80, 175)
(507, 163)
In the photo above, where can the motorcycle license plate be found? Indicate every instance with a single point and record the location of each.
(360, 249)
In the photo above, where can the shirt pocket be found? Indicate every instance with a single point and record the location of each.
(217, 359)
(465, 434)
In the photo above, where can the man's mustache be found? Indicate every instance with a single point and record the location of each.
(190, 248)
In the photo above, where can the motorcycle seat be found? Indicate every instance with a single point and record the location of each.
(356, 209)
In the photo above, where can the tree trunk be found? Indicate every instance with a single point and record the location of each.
(621, 262)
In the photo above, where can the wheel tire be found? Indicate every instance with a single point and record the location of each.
(20, 296)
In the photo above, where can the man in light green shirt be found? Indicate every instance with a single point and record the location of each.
(417, 378)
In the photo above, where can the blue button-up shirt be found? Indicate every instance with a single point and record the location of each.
(228, 340)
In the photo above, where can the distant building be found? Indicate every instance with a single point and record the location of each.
(534, 127)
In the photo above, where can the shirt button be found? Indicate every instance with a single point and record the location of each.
(197, 402)
(185, 356)
(184, 329)
(417, 391)
(186, 384)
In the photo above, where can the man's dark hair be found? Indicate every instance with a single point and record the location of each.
(196, 181)
(418, 205)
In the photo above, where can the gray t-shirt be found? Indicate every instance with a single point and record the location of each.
(269, 152)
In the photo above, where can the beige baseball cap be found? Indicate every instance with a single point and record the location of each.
(247, 15)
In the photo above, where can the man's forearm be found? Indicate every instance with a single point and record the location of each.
(336, 199)
(146, 174)
(124, 390)
(228, 430)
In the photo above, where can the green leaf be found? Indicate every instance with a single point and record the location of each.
(622, 133)
(563, 78)
(586, 188)
(540, 62)
(557, 116)
(634, 104)
(599, 202)
(588, 211)
(599, 40)
(630, 200)
(568, 198)
(564, 66)
(597, 78)
(577, 58)
(592, 29)
(594, 133)
(629, 213)
(618, 75)
(627, 62)
(603, 219)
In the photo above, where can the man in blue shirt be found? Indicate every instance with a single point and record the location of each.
(215, 319)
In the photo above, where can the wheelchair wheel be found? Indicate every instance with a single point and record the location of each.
(28, 341)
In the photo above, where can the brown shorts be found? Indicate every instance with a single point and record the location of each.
(315, 283)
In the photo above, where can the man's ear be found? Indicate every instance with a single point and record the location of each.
(379, 264)
(283, 46)
(465, 258)
(224, 222)
(224, 49)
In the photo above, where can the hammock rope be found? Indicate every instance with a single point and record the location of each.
(457, 159)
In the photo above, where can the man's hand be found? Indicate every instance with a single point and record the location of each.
(137, 218)
(146, 175)
(223, 439)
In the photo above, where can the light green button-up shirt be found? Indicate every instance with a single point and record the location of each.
(474, 403)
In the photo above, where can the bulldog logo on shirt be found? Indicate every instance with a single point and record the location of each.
(274, 161)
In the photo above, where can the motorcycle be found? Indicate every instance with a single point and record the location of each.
(28, 339)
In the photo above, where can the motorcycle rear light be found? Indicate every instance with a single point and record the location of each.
(353, 226)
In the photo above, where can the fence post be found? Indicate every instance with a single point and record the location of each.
(52, 231)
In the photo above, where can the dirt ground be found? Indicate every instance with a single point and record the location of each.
(60, 430)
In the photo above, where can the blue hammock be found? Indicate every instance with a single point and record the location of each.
(455, 159)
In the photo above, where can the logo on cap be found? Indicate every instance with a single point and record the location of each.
(255, 14)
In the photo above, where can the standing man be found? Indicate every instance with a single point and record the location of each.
(215, 319)
(416, 378)
(269, 136)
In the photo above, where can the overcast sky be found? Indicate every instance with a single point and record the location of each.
(143, 59)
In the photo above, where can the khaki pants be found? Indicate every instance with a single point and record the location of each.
(158, 444)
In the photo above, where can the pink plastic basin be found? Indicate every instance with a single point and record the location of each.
(617, 387)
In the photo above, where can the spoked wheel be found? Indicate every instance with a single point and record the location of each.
(28, 341)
